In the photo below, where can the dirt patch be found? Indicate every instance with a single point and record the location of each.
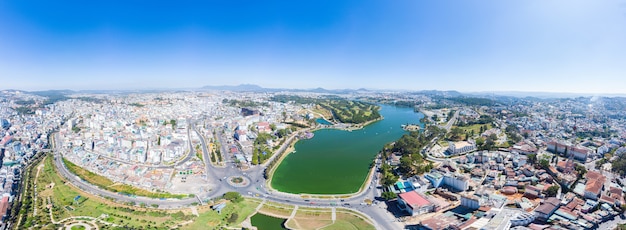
(313, 215)
(280, 213)
(212, 223)
(310, 223)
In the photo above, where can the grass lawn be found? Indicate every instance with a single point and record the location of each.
(341, 225)
(349, 221)
(211, 219)
(306, 224)
(50, 185)
(316, 218)
(106, 183)
(310, 219)
(326, 113)
(87, 175)
(310, 214)
(62, 195)
(476, 128)
(276, 210)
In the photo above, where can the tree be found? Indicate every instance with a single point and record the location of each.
(544, 163)
(173, 122)
(456, 134)
(233, 196)
(233, 218)
(480, 141)
(255, 157)
(552, 191)
(406, 165)
(389, 195)
(388, 178)
(282, 133)
(532, 158)
(581, 170)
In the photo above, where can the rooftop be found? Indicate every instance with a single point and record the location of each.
(414, 199)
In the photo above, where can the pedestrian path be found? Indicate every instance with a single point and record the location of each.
(194, 211)
(260, 205)
(293, 213)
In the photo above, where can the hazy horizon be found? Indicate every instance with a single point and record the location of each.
(539, 94)
(472, 46)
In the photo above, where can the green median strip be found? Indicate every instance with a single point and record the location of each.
(107, 184)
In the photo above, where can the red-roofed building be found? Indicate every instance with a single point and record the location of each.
(595, 183)
(415, 203)
(4, 205)
(6, 140)
(264, 127)
(579, 152)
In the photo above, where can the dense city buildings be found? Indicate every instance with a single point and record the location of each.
(472, 163)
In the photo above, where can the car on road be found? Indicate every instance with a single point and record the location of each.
(346, 204)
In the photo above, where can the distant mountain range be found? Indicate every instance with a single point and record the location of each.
(257, 88)
(544, 95)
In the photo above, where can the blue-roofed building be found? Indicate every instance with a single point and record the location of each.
(5, 124)
(400, 185)
(404, 186)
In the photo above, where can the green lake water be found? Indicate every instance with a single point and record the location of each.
(264, 222)
(337, 161)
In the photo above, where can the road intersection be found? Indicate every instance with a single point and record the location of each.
(216, 177)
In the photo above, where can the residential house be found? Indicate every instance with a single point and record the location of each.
(594, 185)
(545, 210)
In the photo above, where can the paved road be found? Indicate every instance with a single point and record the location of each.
(87, 187)
(215, 176)
(612, 224)
(451, 121)
(447, 127)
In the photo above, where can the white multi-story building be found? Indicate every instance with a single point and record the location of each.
(461, 147)
(456, 181)
(472, 202)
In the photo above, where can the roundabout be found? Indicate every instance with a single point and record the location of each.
(238, 181)
(80, 225)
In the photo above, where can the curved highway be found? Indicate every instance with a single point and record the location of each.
(215, 177)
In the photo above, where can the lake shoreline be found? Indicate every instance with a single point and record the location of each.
(292, 148)
(366, 142)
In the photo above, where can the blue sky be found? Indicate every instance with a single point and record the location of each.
(472, 45)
